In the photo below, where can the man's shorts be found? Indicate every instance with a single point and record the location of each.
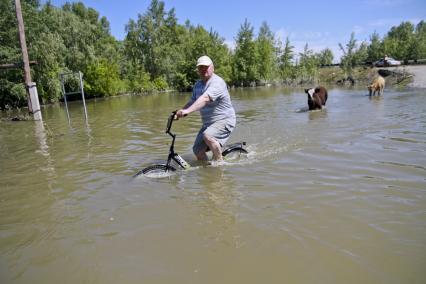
(219, 130)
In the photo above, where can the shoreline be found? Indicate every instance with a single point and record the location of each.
(417, 81)
(418, 73)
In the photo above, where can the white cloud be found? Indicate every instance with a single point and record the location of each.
(389, 23)
(385, 3)
(282, 34)
(358, 30)
(312, 35)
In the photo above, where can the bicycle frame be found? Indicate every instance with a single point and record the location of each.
(172, 154)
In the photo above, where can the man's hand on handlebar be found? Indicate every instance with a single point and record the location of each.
(181, 113)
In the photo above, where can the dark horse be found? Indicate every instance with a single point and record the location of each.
(317, 97)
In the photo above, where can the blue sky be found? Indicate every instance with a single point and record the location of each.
(321, 24)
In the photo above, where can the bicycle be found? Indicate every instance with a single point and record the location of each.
(173, 156)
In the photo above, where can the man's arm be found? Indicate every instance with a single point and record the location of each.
(188, 104)
(197, 105)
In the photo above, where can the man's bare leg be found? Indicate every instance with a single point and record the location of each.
(214, 147)
(201, 156)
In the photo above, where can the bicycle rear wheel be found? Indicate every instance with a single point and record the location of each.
(235, 150)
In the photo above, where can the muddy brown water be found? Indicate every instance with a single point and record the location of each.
(335, 196)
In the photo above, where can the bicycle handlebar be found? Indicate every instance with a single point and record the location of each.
(170, 121)
(172, 117)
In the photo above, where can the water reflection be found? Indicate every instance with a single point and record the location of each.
(217, 207)
(375, 98)
(217, 188)
(49, 167)
(318, 114)
(40, 134)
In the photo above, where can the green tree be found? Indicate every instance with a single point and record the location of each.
(167, 51)
(307, 68)
(285, 62)
(418, 50)
(245, 69)
(155, 35)
(353, 55)
(200, 42)
(325, 57)
(347, 62)
(266, 53)
(12, 89)
(102, 79)
(375, 49)
(399, 41)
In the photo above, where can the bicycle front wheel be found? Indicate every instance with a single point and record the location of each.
(155, 170)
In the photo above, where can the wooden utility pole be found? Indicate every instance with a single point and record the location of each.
(33, 103)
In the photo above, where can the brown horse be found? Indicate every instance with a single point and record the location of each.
(377, 86)
(317, 97)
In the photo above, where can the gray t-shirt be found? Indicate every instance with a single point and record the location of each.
(219, 107)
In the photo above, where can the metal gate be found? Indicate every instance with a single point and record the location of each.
(62, 77)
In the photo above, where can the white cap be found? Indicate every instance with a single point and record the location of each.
(204, 60)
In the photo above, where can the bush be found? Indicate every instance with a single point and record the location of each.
(160, 84)
(102, 79)
(12, 95)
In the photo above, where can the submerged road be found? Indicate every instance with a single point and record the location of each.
(418, 72)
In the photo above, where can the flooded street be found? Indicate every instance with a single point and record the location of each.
(333, 196)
